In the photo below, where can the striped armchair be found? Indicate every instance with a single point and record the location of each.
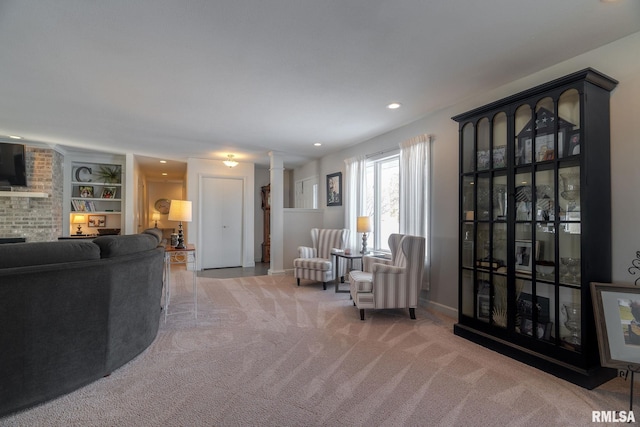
(317, 263)
(391, 283)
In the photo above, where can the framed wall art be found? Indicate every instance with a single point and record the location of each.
(617, 312)
(97, 220)
(334, 189)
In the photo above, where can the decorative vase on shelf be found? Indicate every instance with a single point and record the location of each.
(572, 311)
(571, 189)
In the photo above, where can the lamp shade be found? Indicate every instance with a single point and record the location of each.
(180, 210)
(79, 219)
(364, 224)
(155, 216)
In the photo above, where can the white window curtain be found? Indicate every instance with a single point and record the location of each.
(355, 190)
(415, 203)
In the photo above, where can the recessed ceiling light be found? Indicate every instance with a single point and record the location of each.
(163, 161)
(394, 106)
(15, 137)
(317, 144)
(164, 174)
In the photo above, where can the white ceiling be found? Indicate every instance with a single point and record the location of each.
(185, 78)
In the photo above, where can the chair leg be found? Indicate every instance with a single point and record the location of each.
(354, 303)
(412, 313)
(298, 279)
(324, 285)
(362, 314)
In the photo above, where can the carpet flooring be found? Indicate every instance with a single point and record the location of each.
(265, 352)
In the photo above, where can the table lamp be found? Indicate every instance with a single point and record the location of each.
(364, 226)
(79, 219)
(180, 210)
(155, 217)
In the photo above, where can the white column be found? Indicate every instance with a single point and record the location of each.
(276, 174)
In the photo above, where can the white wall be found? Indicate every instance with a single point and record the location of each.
(620, 60)
(200, 168)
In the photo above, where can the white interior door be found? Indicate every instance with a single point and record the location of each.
(221, 213)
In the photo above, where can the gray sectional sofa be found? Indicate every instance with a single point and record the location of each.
(73, 311)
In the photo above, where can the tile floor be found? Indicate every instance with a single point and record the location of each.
(260, 269)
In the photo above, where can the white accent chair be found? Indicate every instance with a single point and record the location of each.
(390, 283)
(317, 263)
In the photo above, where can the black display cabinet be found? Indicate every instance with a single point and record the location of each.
(535, 224)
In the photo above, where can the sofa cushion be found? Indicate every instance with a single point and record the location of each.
(41, 253)
(113, 246)
(313, 263)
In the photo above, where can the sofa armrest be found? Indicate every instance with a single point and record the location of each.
(306, 252)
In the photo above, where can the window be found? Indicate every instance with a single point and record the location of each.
(383, 199)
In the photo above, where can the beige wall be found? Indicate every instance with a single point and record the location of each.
(621, 61)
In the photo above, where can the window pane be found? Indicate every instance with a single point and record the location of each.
(382, 200)
(389, 201)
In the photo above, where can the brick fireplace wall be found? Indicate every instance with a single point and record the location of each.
(36, 219)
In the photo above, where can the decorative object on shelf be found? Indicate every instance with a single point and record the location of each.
(109, 193)
(635, 266)
(500, 156)
(363, 225)
(97, 220)
(545, 138)
(80, 220)
(180, 211)
(230, 162)
(162, 206)
(86, 191)
(525, 255)
(572, 266)
(155, 217)
(573, 314)
(571, 188)
(574, 144)
(334, 189)
(545, 268)
(109, 174)
(83, 174)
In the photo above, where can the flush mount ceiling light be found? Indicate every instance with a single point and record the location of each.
(230, 162)
(394, 106)
(15, 137)
(317, 144)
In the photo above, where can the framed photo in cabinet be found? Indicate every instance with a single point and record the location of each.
(525, 253)
(574, 144)
(483, 301)
(617, 311)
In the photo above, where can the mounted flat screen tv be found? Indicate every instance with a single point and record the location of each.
(12, 165)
